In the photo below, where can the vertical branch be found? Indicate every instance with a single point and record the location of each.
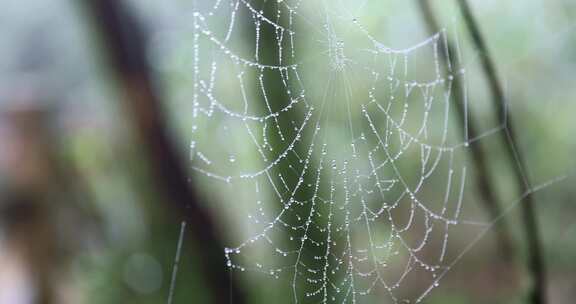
(535, 255)
(482, 176)
(125, 44)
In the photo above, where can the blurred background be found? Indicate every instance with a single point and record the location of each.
(88, 213)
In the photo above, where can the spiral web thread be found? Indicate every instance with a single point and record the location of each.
(369, 225)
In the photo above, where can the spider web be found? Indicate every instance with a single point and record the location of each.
(342, 199)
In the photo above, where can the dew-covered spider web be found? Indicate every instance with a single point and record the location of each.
(342, 153)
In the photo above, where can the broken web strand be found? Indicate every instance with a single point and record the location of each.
(490, 225)
(395, 128)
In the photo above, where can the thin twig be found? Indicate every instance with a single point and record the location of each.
(176, 263)
(482, 176)
(535, 253)
(125, 44)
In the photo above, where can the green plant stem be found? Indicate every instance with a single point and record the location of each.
(482, 175)
(535, 253)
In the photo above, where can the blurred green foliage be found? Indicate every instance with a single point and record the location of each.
(49, 44)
